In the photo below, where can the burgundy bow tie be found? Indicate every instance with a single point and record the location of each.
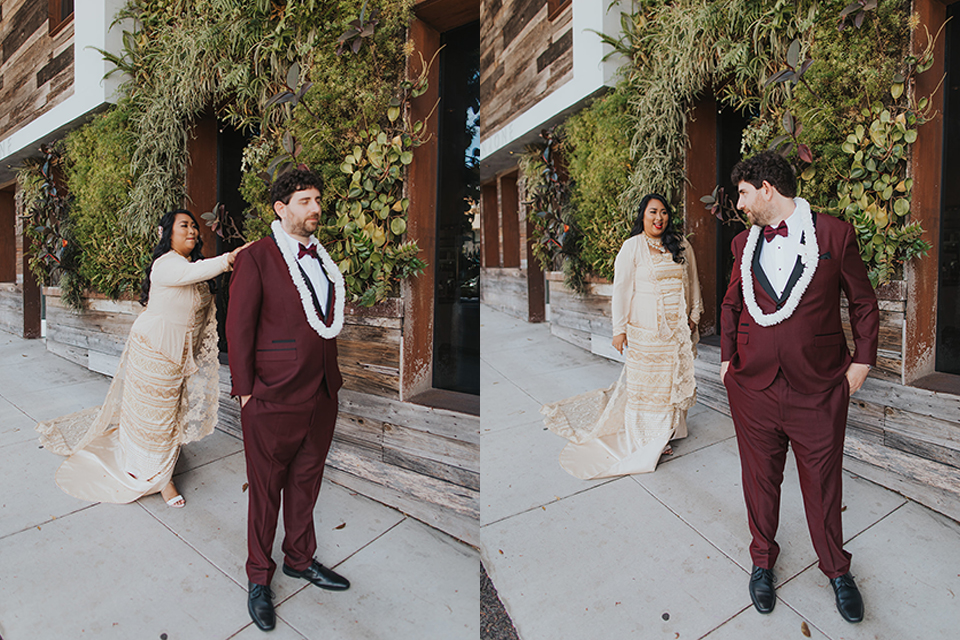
(312, 251)
(769, 233)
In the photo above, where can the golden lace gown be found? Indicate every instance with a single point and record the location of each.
(165, 392)
(623, 429)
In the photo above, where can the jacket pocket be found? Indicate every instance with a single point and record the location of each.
(743, 337)
(829, 340)
(264, 355)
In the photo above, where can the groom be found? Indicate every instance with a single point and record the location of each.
(787, 369)
(285, 311)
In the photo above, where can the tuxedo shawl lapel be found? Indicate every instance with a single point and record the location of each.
(797, 269)
(760, 276)
(328, 316)
(764, 282)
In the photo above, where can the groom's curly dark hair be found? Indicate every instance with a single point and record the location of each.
(767, 166)
(291, 182)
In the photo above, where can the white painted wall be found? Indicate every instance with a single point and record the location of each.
(589, 72)
(91, 30)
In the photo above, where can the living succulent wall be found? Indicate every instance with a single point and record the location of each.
(828, 83)
(313, 83)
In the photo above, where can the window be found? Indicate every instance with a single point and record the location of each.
(61, 12)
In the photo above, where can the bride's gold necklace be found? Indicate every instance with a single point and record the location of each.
(654, 243)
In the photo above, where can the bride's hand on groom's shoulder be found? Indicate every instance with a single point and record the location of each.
(233, 254)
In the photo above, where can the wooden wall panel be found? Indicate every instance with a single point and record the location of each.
(11, 308)
(36, 69)
(369, 358)
(505, 290)
(524, 56)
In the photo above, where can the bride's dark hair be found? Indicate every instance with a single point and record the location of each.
(671, 238)
(166, 245)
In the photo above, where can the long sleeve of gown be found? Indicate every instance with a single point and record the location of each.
(694, 301)
(173, 270)
(624, 272)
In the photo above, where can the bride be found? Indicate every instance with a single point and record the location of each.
(165, 392)
(656, 307)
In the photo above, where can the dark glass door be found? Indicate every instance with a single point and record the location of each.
(456, 333)
(948, 293)
(730, 126)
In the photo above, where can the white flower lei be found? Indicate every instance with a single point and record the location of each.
(333, 272)
(809, 257)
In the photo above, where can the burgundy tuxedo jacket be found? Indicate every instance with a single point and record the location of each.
(275, 355)
(809, 346)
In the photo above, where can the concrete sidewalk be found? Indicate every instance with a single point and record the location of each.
(71, 569)
(664, 555)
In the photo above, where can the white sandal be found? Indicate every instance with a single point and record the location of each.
(177, 502)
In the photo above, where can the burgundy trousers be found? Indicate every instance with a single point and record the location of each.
(285, 447)
(766, 422)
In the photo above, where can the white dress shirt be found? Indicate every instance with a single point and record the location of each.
(311, 267)
(779, 256)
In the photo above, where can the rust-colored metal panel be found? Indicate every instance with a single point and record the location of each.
(699, 225)
(31, 295)
(417, 358)
(8, 237)
(919, 354)
(536, 286)
(509, 216)
(444, 15)
(202, 176)
(490, 225)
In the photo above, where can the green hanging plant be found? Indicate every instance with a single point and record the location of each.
(803, 83)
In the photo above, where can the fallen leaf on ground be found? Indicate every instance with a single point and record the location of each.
(804, 629)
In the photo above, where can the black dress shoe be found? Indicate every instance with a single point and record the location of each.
(320, 576)
(761, 589)
(260, 606)
(849, 601)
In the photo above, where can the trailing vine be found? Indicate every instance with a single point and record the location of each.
(347, 64)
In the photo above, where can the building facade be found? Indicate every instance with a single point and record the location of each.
(408, 431)
(904, 425)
